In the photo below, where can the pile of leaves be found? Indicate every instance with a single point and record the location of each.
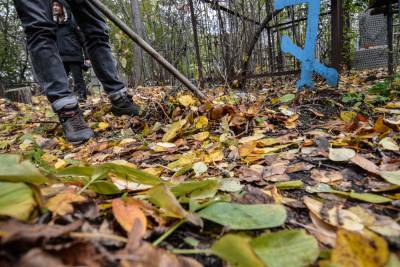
(268, 177)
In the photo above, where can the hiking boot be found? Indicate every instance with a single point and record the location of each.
(76, 130)
(122, 104)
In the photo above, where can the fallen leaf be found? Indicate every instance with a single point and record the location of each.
(201, 122)
(348, 116)
(286, 248)
(173, 130)
(199, 168)
(365, 164)
(391, 177)
(60, 164)
(17, 200)
(103, 126)
(201, 136)
(297, 184)
(128, 212)
(287, 98)
(327, 177)
(341, 154)
(186, 100)
(61, 204)
(245, 217)
(298, 167)
(360, 249)
(162, 197)
(13, 231)
(236, 250)
(13, 168)
(389, 144)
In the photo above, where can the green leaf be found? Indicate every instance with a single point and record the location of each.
(245, 217)
(393, 261)
(292, 248)
(16, 200)
(13, 168)
(367, 197)
(236, 250)
(104, 188)
(287, 98)
(290, 185)
(391, 177)
(162, 197)
(190, 187)
(132, 174)
(78, 171)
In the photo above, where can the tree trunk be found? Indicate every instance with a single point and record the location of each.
(138, 27)
(2, 89)
(247, 57)
(196, 44)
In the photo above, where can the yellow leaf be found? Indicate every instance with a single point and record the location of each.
(355, 249)
(201, 136)
(60, 164)
(173, 130)
(154, 171)
(103, 126)
(247, 149)
(348, 116)
(201, 122)
(184, 160)
(214, 156)
(186, 100)
(61, 204)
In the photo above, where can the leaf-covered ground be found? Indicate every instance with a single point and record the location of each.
(266, 177)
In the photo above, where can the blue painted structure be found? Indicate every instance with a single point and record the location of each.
(306, 56)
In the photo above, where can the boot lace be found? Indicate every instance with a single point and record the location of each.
(76, 120)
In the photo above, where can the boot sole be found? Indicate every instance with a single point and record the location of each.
(119, 112)
(76, 143)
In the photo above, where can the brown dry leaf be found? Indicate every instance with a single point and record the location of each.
(328, 177)
(12, 231)
(149, 256)
(324, 232)
(335, 216)
(298, 167)
(61, 204)
(127, 212)
(365, 164)
(277, 168)
(249, 175)
(360, 250)
(37, 257)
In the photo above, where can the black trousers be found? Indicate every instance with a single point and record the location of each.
(75, 68)
(41, 37)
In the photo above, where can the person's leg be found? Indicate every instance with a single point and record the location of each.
(79, 81)
(97, 41)
(95, 30)
(40, 32)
